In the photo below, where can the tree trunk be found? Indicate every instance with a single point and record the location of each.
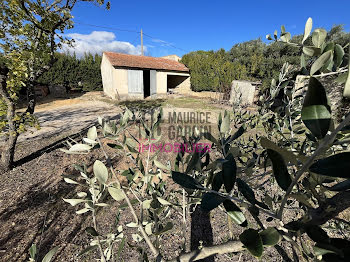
(12, 134)
(8, 152)
(31, 98)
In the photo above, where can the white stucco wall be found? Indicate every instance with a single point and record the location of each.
(120, 78)
(115, 82)
(107, 77)
(161, 83)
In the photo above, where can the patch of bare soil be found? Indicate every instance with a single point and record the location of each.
(32, 211)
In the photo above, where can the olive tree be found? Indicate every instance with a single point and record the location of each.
(31, 32)
(301, 161)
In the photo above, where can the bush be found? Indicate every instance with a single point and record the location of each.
(301, 153)
(252, 60)
(75, 73)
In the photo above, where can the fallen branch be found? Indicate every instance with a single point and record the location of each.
(228, 247)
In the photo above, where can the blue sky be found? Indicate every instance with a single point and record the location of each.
(196, 25)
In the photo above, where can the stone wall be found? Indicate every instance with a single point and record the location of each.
(182, 85)
(242, 92)
(339, 105)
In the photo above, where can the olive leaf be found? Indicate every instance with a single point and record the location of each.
(116, 193)
(341, 79)
(80, 148)
(318, 37)
(73, 202)
(185, 180)
(270, 236)
(246, 191)
(211, 201)
(338, 55)
(287, 155)
(235, 213)
(225, 125)
(92, 133)
(160, 165)
(316, 112)
(342, 186)
(194, 162)
(307, 30)
(280, 170)
(321, 249)
(337, 165)
(321, 62)
(100, 172)
(346, 92)
(286, 37)
(229, 169)
(218, 180)
(311, 50)
(252, 241)
(50, 254)
(317, 119)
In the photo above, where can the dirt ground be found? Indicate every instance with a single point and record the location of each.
(68, 115)
(32, 209)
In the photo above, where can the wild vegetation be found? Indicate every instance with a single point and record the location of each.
(82, 74)
(300, 164)
(253, 60)
(210, 70)
(31, 32)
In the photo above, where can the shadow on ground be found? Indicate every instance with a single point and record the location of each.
(143, 105)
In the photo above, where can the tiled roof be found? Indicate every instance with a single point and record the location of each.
(148, 62)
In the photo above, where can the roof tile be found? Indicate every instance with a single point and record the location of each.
(134, 61)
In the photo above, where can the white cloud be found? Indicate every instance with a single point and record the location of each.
(162, 42)
(98, 42)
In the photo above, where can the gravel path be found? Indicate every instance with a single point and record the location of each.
(69, 118)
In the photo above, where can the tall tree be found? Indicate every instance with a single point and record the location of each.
(31, 31)
(72, 72)
(251, 60)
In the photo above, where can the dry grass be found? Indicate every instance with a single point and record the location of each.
(191, 102)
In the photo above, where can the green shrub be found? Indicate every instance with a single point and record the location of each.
(302, 156)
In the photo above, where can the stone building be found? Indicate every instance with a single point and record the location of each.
(172, 57)
(243, 92)
(137, 77)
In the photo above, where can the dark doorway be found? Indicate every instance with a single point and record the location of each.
(146, 83)
(174, 81)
